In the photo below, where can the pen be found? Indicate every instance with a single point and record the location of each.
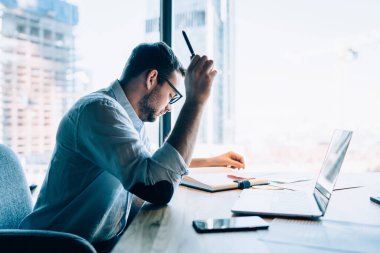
(244, 184)
(191, 48)
(188, 44)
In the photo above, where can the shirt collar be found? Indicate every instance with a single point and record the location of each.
(118, 94)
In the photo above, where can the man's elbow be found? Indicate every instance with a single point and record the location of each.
(159, 193)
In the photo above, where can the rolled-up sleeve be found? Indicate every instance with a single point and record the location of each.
(107, 138)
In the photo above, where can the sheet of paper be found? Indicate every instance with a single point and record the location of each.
(289, 179)
(267, 187)
(347, 182)
(325, 234)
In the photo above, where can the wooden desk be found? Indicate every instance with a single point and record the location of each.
(169, 228)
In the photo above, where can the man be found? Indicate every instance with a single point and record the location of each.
(102, 158)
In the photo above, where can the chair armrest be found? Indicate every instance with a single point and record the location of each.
(23, 240)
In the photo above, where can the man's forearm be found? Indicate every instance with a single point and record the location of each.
(200, 162)
(198, 80)
(185, 131)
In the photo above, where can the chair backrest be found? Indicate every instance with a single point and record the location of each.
(20, 240)
(15, 197)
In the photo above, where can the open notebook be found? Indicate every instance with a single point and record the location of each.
(213, 179)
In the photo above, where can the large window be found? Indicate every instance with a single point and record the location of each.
(289, 73)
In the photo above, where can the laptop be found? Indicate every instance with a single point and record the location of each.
(299, 204)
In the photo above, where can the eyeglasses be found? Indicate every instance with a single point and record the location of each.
(177, 96)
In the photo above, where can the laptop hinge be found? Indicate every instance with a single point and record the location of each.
(319, 200)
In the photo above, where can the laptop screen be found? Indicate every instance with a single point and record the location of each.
(331, 167)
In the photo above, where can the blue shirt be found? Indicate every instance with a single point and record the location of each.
(100, 159)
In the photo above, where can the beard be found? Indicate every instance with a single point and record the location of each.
(148, 107)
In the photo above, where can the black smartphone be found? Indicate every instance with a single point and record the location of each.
(230, 224)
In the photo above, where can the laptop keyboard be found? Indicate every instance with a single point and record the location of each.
(292, 201)
(283, 202)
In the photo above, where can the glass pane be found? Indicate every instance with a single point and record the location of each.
(50, 58)
(304, 68)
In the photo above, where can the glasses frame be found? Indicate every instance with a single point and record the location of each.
(178, 94)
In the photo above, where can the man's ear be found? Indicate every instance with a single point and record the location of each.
(151, 79)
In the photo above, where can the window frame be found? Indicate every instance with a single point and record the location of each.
(166, 24)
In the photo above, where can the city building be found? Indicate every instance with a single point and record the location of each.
(209, 25)
(37, 74)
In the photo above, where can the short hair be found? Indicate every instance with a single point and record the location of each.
(148, 56)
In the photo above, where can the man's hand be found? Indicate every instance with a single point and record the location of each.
(198, 79)
(229, 159)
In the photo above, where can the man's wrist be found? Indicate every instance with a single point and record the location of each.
(193, 103)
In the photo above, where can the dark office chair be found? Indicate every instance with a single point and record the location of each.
(15, 204)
